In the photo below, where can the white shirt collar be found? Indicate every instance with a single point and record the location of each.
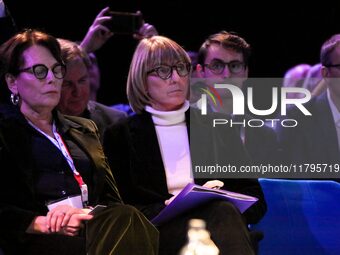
(334, 110)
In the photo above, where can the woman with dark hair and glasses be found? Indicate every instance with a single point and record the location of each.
(53, 169)
(150, 155)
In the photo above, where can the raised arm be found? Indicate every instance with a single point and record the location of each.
(98, 33)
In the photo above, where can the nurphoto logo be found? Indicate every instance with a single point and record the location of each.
(212, 100)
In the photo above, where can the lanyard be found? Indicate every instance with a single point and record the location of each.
(59, 143)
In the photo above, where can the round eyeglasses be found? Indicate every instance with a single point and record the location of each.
(333, 65)
(165, 71)
(40, 71)
(217, 66)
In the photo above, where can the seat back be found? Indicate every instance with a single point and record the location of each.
(303, 217)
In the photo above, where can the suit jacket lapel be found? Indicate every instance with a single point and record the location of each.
(92, 147)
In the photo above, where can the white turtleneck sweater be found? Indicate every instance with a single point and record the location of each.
(173, 140)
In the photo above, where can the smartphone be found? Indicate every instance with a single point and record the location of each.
(124, 22)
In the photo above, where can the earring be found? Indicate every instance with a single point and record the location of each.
(15, 98)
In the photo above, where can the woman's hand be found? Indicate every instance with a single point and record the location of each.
(167, 202)
(75, 223)
(214, 184)
(61, 216)
(38, 226)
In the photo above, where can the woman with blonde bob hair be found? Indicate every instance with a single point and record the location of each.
(150, 155)
(150, 53)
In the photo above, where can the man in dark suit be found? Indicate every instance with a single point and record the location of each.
(224, 58)
(76, 90)
(316, 138)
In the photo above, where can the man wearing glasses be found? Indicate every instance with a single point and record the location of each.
(317, 138)
(224, 58)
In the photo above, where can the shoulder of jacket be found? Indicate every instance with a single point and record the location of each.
(81, 123)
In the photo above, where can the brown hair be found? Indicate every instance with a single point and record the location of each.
(11, 53)
(227, 41)
(327, 49)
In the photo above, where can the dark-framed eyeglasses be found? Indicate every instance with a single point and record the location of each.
(165, 71)
(335, 65)
(40, 71)
(217, 66)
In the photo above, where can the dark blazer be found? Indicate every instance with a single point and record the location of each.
(134, 155)
(260, 142)
(103, 116)
(314, 139)
(18, 203)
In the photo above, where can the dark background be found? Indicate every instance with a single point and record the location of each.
(281, 33)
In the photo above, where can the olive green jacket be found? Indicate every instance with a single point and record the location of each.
(18, 204)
